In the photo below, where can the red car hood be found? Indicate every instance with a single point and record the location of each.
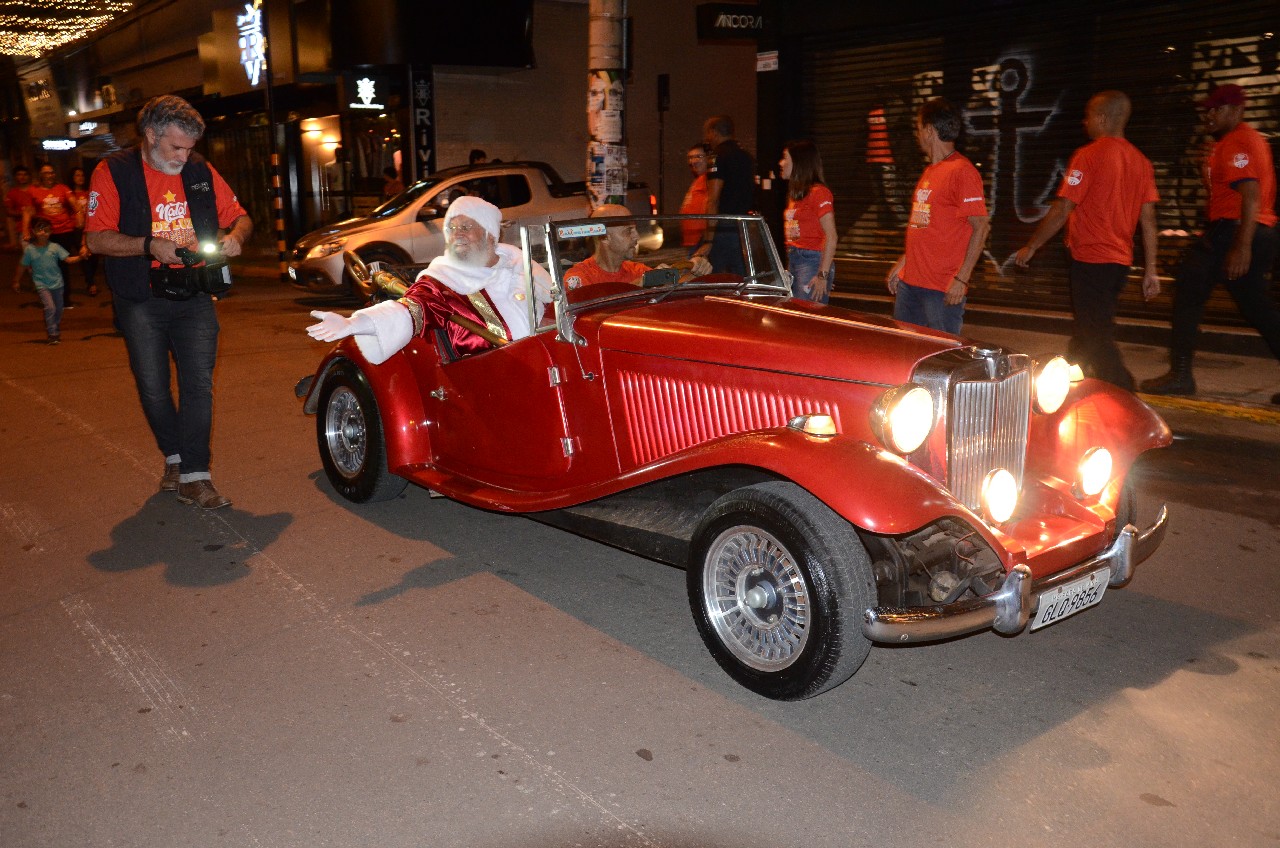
(777, 334)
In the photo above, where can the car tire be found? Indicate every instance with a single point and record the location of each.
(350, 437)
(778, 584)
(369, 255)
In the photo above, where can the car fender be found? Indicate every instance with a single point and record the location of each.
(874, 489)
(399, 401)
(1095, 414)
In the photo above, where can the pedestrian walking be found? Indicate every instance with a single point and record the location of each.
(730, 191)
(150, 201)
(16, 200)
(809, 222)
(45, 259)
(80, 200)
(1109, 189)
(51, 200)
(947, 228)
(1238, 247)
(695, 199)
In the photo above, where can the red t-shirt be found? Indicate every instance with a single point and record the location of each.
(588, 272)
(170, 217)
(16, 200)
(1240, 155)
(1108, 180)
(800, 221)
(695, 203)
(54, 204)
(938, 233)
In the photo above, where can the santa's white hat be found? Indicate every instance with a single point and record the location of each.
(482, 212)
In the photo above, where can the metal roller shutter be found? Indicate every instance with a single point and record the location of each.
(1023, 78)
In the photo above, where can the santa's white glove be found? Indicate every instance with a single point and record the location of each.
(701, 267)
(333, 326)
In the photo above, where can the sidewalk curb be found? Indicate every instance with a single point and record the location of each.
(1230, 409)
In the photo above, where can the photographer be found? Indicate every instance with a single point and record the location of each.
(146, 204)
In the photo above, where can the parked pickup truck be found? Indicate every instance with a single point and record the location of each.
(406, 230)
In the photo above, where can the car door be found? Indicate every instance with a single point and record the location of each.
(497, 417)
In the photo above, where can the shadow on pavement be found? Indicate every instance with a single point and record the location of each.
(195, 548)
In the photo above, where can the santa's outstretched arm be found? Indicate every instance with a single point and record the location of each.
(380, 330)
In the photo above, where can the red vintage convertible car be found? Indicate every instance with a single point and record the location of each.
(828, 479)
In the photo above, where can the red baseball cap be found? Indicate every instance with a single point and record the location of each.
(1223, 95)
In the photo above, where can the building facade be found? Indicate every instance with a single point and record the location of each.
(356, 87)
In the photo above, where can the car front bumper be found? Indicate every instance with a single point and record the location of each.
(1008, 609)
(317, 275)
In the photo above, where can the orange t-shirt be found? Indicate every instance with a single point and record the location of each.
(800, 221)
(1240, 155)
(588, 272)
(695, 203)
(1108, 180)
(947, 196)
(170, 217)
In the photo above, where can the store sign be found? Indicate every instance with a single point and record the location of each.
(366, 95)
(729, 22)
(44, 108)
(253, 47)
(58, 144)
(424, 129)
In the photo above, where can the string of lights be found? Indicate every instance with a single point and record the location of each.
(35, 27)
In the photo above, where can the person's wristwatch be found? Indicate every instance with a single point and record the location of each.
(146, 246)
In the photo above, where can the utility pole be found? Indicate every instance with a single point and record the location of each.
(259, 11)
(606, 149)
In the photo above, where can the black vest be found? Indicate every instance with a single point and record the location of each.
(127, 275)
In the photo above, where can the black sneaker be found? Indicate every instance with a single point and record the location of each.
(53, 340)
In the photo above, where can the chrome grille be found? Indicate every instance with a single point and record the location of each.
(987, 429)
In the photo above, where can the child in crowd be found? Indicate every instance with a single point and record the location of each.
(42, 257)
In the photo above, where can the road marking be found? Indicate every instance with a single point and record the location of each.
(136, 668)
(25, 527)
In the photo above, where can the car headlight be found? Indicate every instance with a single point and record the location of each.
(999, 495)
(326, 248)
(1094, 472)
(903, 417)
(1053, 382)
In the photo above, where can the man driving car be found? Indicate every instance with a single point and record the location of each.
(614, 258)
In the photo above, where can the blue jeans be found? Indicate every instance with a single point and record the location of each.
(927, 308)
(51, 299)
(803, 265)
(187, 330)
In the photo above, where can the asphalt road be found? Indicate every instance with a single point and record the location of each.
(299, 671)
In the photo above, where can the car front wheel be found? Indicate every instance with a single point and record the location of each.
(350, 437)
(778, 584)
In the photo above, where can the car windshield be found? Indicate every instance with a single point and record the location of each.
(592, 259)
(404, 198)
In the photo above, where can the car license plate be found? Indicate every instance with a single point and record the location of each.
(1068, 599)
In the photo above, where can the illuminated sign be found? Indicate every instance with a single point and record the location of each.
(367, 94)
(253, 47)
(729, 22)
(87, 127)
(58, 144)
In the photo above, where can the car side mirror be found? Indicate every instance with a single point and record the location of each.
(429, 212)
